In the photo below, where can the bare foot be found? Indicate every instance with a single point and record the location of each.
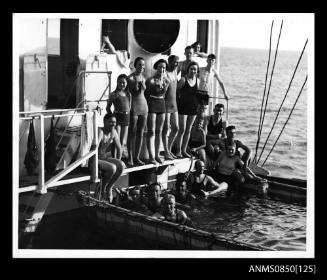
(152, 161)
(138, 161)
(168, 156)
(158, 159)
(185, 154)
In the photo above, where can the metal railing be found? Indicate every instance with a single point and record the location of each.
(43, 185)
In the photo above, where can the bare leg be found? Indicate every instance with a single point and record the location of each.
(123, 136)
(118, 170)
(131, 139)
(189, 122)
(150, 136)
(141, 122)
(165, 133)
(180, 134)
(173, 131)
(108, 170)
(160, 120)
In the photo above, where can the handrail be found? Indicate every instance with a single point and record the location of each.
(49, 111)
(50, 116)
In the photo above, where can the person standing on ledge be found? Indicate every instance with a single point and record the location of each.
(206, 76)
(139, 112)
(171, 120)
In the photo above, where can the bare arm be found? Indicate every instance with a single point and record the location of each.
(109, 103)
(180, 84)
(216, 75)
(247, 151)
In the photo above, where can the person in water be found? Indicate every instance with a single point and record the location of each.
(139, 112)
(187, 103)
(134, 202)
(170, 213)
(154, 198)
(216, 130)
(204, 185)
(111, 167)
(121, 99)
(184, 65)
(171, 121)
(156, 88)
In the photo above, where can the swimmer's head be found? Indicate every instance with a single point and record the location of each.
(161, 65)
(199, 166)
(173, 62)
(189, 52)
(192, 68)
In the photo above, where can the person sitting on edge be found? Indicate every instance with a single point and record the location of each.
(204, 185)
(170, 213)
(228, 167)
(121, 98)
(230, 139)
(111, 167)
(134, 202)
(197, 50)
(216, 129)
(206, 76)
(197, 141)
(183, 65)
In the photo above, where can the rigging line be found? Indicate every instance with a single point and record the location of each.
(263, 96)
(271, 75)
(286, 120)
(280, 107)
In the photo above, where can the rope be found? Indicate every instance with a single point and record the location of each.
(271, 75)
(280, 107)
(286, 121)
(263, 97)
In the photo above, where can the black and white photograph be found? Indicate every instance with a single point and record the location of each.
(163, 135)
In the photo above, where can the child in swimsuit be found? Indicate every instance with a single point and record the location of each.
(121, 99)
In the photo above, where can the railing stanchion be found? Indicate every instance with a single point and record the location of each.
(95, 172)
(41, 180)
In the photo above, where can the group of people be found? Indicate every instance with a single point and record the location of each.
(173, 111)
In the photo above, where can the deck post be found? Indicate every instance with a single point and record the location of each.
(95, 172)
(41, 189)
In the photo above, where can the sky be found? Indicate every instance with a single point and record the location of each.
(253, 30)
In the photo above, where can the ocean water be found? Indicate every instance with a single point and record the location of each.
(243, 72)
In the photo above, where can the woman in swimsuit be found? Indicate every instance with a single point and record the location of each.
(121, 98)
(187, 103)
(171, 120)
(156, 88)
(139, 112)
